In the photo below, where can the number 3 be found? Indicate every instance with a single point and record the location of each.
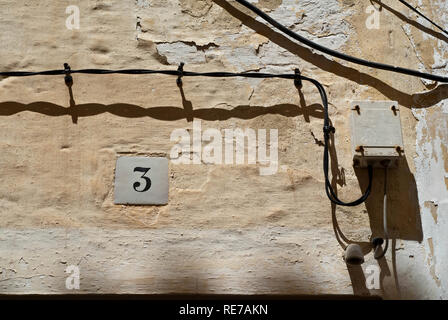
(148, 181)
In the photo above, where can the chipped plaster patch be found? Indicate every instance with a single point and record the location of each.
(432, 136)
(178, 52)
(324, 24)
(196, 8)
(142, 3)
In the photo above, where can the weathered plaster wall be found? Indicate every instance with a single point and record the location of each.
(226, 229)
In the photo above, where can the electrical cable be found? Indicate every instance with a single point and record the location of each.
(297, 77)
(146, 71)
(327, 127)
(422, 15)
(282, 28)
(338, 54)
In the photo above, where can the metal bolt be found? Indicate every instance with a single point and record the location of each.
(399, 149)
(394, 109)
(357, 109)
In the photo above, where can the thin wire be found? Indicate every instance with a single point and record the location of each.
(181, 73)
(147, 71)
(338, 54)
(386, 233)
(422, 15)
(279, 26)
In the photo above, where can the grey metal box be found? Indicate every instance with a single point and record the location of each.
(376, 133)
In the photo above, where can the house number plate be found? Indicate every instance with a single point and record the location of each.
(141, 180)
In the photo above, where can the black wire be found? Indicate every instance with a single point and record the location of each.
(181, 73)
(385, 215)
(279, 26)
(421, 14)
(147, 71)
(328, 129)
(338, 54)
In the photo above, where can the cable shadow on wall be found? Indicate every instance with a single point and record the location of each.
(403, 212)
(171, 113)
(164, 113)
(355, 272)
(403, 208)
(413, 23)
(417, 100)
(72, 109)
(188, 106)
(412, 229)
(403, 218)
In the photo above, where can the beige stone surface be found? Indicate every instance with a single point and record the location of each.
(226, 229)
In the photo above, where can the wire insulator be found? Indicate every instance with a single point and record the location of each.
(180, 71)
(68, 78)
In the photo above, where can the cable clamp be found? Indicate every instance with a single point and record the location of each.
(68, 78)
(180, 72)
(297, 78)
(329, 129)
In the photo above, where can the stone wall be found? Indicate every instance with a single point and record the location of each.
(226, 229)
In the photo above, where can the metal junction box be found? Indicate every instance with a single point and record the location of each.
(376, 133)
